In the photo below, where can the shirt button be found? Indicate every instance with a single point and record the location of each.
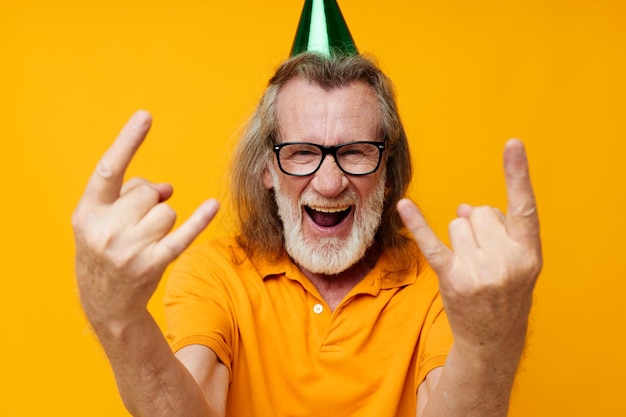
(318, 308)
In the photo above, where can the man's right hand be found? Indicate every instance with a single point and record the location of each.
(122, 233)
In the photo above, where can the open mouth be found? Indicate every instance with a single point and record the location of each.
(327, 216)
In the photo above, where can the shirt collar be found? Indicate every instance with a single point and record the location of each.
(372, 283)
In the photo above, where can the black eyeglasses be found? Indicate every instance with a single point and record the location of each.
(355, 158)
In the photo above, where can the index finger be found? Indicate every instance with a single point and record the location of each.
(106, 181)
(522, 220)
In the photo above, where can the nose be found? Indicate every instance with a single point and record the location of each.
(329, 180)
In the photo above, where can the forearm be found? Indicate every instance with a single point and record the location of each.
(475, 381)
(151, 381)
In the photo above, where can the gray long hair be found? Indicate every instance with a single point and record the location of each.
(260, 231)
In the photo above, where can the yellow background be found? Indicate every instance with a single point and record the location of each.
(469, 76)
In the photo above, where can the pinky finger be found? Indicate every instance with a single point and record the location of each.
(172, 245)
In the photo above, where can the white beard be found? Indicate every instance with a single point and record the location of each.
(329, 255)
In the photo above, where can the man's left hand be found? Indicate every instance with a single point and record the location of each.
(487, 277)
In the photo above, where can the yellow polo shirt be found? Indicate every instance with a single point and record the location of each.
(288, 354)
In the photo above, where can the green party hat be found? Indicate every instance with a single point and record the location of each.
(322, 29)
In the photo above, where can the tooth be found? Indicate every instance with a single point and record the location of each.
(330, 209)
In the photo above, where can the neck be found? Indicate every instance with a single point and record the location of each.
(333, 288)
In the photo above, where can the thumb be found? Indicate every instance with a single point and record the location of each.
(438, 255)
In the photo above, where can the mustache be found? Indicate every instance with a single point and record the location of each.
(346, 198)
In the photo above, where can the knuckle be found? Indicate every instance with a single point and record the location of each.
(76, 219)
(522, 275)
(80, 214)
(483, 212)
(98, 239)
(484, 209)
(137, 181)
(95, 233)
(526, 259)
(165, 214)
(145, 191)
(457, 223)
(130, 184)
(525, 209)
(533, 264)
(168, 212)
(118, 261)
(133, 184)
(173, 249)
(105, 168)
(430, 252)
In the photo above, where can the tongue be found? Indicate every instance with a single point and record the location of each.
(327, 219)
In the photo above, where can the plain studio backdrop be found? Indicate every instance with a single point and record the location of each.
(469, 75)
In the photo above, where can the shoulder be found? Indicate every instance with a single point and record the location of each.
(224, 260)
(217, 260)
(412, 268)
(218, 250)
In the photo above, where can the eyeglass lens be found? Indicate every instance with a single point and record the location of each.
(357, 158)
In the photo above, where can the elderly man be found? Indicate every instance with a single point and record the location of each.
(322, 304)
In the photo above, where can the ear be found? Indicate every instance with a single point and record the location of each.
(266, 179)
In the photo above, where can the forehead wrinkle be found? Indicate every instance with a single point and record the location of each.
(314, 114)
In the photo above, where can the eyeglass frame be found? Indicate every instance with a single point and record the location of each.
(330, 150)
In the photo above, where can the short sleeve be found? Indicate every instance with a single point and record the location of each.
(436, 338)
(198, 306)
